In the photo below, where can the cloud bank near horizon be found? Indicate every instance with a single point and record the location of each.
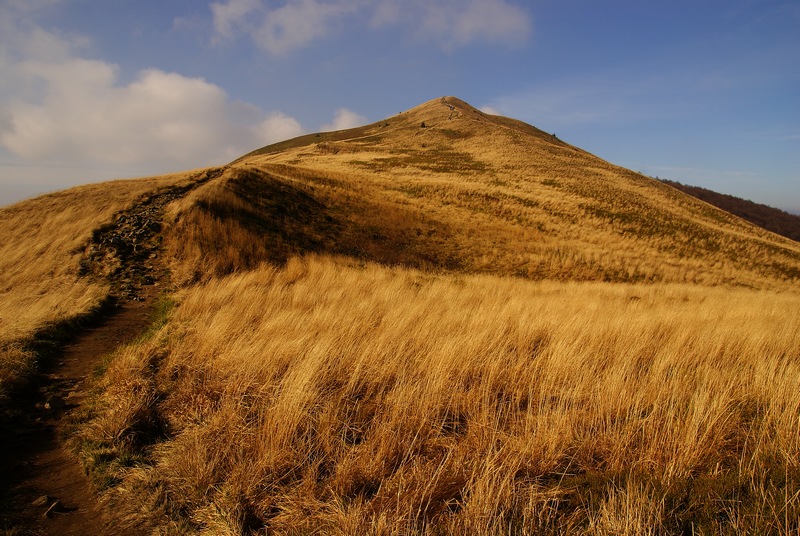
(62, 107)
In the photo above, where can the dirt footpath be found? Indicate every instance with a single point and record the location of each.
(43, 489)
(49, 492)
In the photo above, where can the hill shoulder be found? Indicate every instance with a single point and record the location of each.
(766, 217)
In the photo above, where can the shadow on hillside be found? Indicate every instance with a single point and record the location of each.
(255, 217)
(290, 219)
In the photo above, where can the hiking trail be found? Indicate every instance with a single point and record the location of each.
(48, 490)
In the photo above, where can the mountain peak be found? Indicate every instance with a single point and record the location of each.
(445, 108)
(443, 112)
(446, 103)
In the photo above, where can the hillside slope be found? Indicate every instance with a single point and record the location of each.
(445, 185)
(444, 322)
(73, 265)
(42, 255)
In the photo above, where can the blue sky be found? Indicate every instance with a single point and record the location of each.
(705, 92)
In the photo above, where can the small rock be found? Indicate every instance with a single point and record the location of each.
(55, 403)
(44, 500)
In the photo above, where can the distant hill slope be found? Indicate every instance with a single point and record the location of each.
(772, 219)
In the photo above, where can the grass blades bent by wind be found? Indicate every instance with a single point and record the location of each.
(353, 399)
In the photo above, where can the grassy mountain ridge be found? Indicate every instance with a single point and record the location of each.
(445, 322)
(526, 203)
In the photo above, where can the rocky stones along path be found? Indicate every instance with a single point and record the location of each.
(125, 251)
(44, 486)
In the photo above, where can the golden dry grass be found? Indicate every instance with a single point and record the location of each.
(332, 398)
(469, 327)
(268, 212)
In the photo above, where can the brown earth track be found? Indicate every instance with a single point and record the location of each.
(43, 487)
(43, 471)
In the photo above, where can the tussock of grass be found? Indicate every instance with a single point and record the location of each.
(321, 397)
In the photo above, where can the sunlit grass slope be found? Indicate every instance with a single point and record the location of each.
(446, 323)
(491, 194)
(466, 327)
(42, 245)
(327, 397)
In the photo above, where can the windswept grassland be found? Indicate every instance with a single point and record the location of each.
(441, 323)
(332, 397)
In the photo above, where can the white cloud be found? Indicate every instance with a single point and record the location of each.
(455, 23)
(61, 108)
(343, 119)
(160, 117)
(283, 29)
(298, 23)
(228, 16)
(278, 126)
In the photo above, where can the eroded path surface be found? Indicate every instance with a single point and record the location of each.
(50, 494)
(43, 481)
